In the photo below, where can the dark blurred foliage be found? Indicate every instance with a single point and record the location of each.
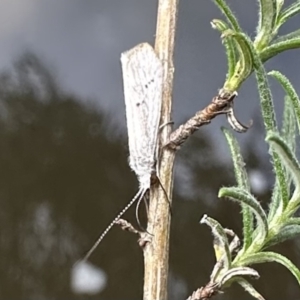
(63, 178)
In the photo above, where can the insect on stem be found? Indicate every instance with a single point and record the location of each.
(143, 86)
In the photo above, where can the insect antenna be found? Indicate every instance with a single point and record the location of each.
(139, 195)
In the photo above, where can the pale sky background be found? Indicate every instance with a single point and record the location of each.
(81, 41)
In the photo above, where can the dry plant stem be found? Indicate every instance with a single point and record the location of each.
(218, 105)
(156, 253)
(145, 237)
(205, 293)
(126, 226)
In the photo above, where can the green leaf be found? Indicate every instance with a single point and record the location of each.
(243, 196)
(262, 257)
(292, 221)
(288, 232)
(279, 4)
(276, 48)
(287, 156)
(244, 66)
(238, 161)
(229, 45)
(225, 9)
(289, 127)
(290, 91)
(292, 108)
(263, 85)
(275, 201)
(267, 17)
(288, 132)
(243, 182)
(288, 12)
(249, 288)
(221, 244)
(268, 113)
(288, 36)
(230, 275)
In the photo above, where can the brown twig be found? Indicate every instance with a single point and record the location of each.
(126, 226)
(220, 104)
(205, 293)
(145, 237)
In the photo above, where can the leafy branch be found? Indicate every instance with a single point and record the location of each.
(243, 57)
(279, 223)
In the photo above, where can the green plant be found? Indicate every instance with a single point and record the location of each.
(245, 56)
(261, 229)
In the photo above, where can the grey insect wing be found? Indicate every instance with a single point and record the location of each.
(143, 82)
(143, 86)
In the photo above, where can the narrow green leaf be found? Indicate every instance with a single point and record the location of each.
(221, 244)
(263, 85)
(267, 17)
(275, 201)
(288, 232)
(289, 159)
(290, 91)
(292, 166)
(292, 108)
(289, 126)
(288, 132)
(244, 66)
(263, 257)
(225, 9)
(249, 288)
(268, 113)
(238, 161)
(236, 272)
(288, 12)
(293, 221)
(279, 47)
(265, 97)
(279, 4)
(242, 196)
(229, 45)
(288, 36)
(243, 182)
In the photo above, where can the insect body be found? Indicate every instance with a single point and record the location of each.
(143, 85)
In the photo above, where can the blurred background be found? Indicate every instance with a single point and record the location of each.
(63, 149)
